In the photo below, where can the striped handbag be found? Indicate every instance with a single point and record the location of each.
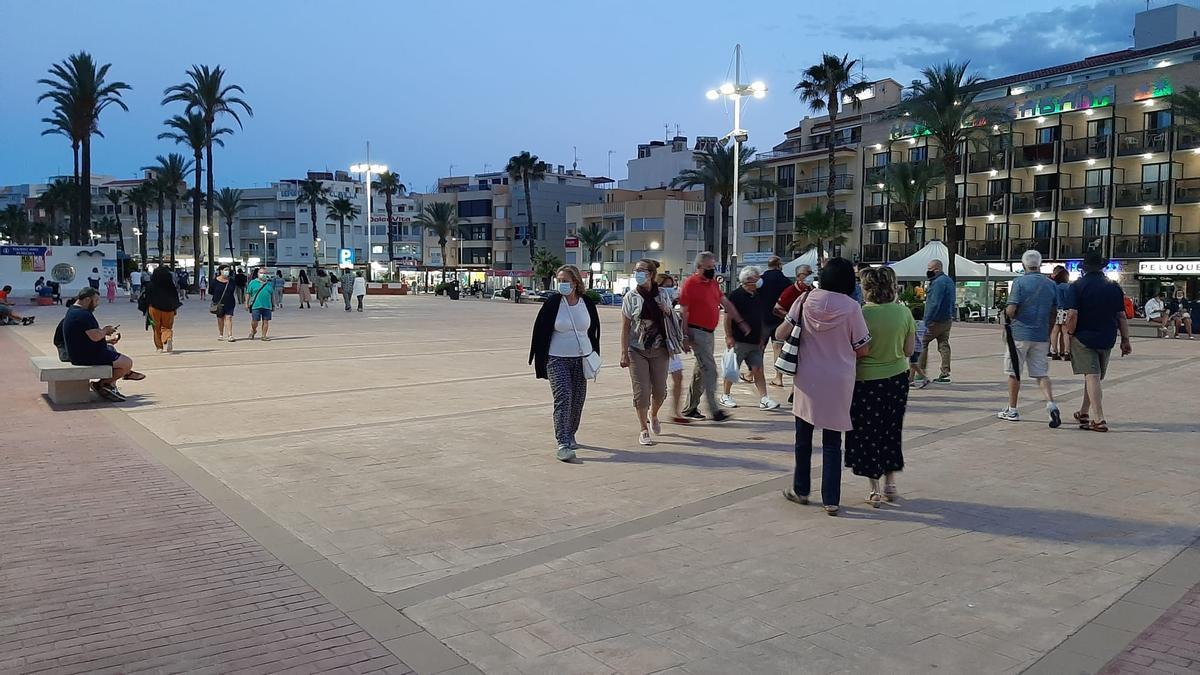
(790, 354)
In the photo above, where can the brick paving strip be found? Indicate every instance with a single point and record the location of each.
(114, 558)
(1169, 645)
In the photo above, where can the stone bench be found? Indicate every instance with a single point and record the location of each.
(66, 382)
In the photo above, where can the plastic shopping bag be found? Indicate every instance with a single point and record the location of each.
(729, 366)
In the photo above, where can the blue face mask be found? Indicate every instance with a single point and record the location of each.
(758, 284)
(565, 287)
(640, 277)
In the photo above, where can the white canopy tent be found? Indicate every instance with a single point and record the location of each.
(913, 267)
(808, 258)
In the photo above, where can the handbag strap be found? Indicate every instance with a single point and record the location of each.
(575, 330)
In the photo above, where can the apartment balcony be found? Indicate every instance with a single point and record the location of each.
(1040, 244)
(873, 174)
(758, 194)
(1076, 247)
(872, 253)
(935, 209)
(987, 160)
(1187, 191)
(899, 250)
(984, 205)
(1185, 244)
(1083, 149)
(1138, 245)
(785, 190)
(1186, 139)
(817, 186)
(1142, 142)
(899, 214)
(1090, 197)
(874, 213)
(1035, 154)
(991, 249)
(1140, 194)
(1029, 202)
(758, 226)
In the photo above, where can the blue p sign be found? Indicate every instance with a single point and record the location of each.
(346, 257)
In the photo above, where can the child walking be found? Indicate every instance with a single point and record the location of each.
(916, 374)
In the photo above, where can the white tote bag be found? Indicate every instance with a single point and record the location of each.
(591, 360)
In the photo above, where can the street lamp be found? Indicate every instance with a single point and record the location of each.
(366, 170)
(265, 231)
(317, 259)
(93, 237)
(735, 91)
(137, 243)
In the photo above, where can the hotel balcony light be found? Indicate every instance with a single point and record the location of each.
(1037, 214)
(993, 172)
(1088, 210)
(1089, 112)
(1146, 207)
(1148, 155)
(1091, 161)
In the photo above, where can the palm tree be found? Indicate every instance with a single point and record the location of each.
(158, 194)
(822, 88)
(229, 204)
(207, 95)
(715, 174)
(389, 184)
(1185, 105)
(545, 264)
(524, 168)
(105, 226)
(441, 220)
(906, 185)
(16, 224)
(594, 237)
(59, 196)
(113, 195)
(342, 209)
(172, 172)
(61, 123)
(944, 106)
(312, 192)
(140, 196)
(817, 226)
(190, 130)
(80, 92)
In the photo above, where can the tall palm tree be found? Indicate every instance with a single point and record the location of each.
(817, 226)
(229, 204)
(906, 185)
(342, 209)
(190, 130)
(16, 224)
(944, 105)
(389, 184)
(158, 195)
(79, 89)
(822, 87)
(61, 123)
(171, 172)
(207, 94)
(140, 196)
(314, 193)
(714, 173)
(441, 220)
(114, 196)
(594, 237)
(524, 168)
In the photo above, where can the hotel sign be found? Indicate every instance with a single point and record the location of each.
(1158, 88)
(1080, 98)
(1190, 268)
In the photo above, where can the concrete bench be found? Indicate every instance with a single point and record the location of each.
(1141, 328)
(66, 382)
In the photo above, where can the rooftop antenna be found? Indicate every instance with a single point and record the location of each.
(677, 130)
(486, 166)
(575, 162)
(608, 174)
(666, 131)
(451, 169)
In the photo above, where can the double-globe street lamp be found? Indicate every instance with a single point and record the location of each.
(137, 243)
(366, 170)
(735, 91)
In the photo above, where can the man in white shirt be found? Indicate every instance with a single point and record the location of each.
(1156, 313)
(135, 285)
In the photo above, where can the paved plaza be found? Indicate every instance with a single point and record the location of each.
(378, 491)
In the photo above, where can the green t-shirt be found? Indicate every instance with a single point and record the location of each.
(261, 300)
(890, 325)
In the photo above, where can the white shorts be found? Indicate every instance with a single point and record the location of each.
(1034, 357)
(675, 364)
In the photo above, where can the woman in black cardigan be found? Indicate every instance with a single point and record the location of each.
(563, 333)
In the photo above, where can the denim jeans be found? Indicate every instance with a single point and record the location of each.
(831, 463)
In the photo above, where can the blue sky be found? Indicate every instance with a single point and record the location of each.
(469, 83)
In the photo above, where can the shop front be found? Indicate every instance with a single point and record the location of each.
(1168, 276)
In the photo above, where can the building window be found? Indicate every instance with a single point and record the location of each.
(501, 211)
(289, 230)
(1046, 135)
(475, 208)
(287, 250)
(785, 211)
(646, 224)
(1156, 224)
(572, 257)
(881, 159)
(618, 225)
(1095, 227)
(619, 255)
(330, 228)
(1042, 229)
(764, 245)
(918, 154)
(785, 175)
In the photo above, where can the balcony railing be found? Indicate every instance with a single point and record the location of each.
(1140, 194)
(1089, 197)
(873, 213)
(1090, 147)
(871, 253)
(1040, 244)
(991, 249)
(1137, 245)
(873, 174)
(758, 225)
(1035, 154)
(986, 160)
(1028, 202)
(1185, 139)
(899, 250)
(820, 185)
(1187, 191)
(899, 213)
(1076, 247)
(935, 209)
(1185, 244)
(983, 205)
(1141, 142)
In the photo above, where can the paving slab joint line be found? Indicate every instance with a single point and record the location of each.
(1128, 612)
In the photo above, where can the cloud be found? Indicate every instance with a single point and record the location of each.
(1007, 45)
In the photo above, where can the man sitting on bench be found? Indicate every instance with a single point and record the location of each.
(7, 314)
(87, 344)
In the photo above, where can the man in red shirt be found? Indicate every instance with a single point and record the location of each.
(792, 293)
(700, 302)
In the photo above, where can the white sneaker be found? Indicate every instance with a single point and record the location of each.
(644, 438)
(220, 338)
(727, 401)
(767, 403)
(1009, 414)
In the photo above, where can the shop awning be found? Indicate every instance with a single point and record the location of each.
(913, 267)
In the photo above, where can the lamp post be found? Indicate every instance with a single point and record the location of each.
(93, 237)
(137, 243)
(366, 170)
(317, 259)
(265, 232)
(596, 266)
(735, 91)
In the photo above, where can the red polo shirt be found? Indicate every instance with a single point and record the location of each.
(791, 294)
(702, 297)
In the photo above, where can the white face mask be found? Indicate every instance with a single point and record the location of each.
(565, 287)
(758, 284)
(640, 277)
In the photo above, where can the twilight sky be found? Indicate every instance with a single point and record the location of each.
(467, 83)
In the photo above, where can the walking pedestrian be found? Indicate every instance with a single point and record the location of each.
(224, 301)
(94, 279)
(833, 336)
(347, 287)
(135, 284)
(163, 299)
(181, 283)
(650, 336)
(675, 366)
(1096, 314)
(747, 345)
(1032, 309)
(1181, 315)
(916, 375)
(774, 283)
(304, 290)
(110, 289)
(259, 301)
(874, 447)
(566, 325)
(323, 285)
(360, 288)
(239, 284)
(1059, 347)
(939, 317)
(277, 284)
(701, 300)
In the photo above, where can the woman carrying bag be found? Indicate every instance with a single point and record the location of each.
(650, 337)
(565, 349)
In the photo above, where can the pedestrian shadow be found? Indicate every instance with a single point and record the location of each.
(280, 339)
(1057, 525)
(654, 455)
(192, 351)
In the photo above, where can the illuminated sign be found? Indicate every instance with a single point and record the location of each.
(907, 130)
(1156, 89)
(1080, 98)
(1189, 268)
(345, 257)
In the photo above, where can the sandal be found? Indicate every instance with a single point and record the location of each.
(1082, 419)
(134, 376)
(890, 493)
(1098, 425)
(792, 496)
(874, 499)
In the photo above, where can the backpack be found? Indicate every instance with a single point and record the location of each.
(143, 303)
(1128, 308)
